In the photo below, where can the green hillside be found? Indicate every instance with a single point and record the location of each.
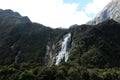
(94, 53)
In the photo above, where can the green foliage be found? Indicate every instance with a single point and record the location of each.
(27, 76)
(46, 74)
(7, 73)
(63, 72)
(60, 75)
(96, 46)
(92, 57)
(18, 34)
(73, 74)
(93, 48)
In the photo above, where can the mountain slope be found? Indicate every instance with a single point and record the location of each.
(111, 11)
(96, 46)
(24, 41)
(12, 17)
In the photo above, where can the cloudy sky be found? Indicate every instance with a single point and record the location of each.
(56, 13)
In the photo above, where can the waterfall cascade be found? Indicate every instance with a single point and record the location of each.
(48, 54)
(17, 56)
(65, 47)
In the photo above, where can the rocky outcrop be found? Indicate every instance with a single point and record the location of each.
(111, 11)
(58, 52)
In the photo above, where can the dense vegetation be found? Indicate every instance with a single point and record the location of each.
(62, 72)
(20, 35)
(94, 55)
(96, 46)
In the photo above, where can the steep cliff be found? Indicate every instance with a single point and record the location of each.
(111, 11)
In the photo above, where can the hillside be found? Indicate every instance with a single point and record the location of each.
(96, 46)
(24, 41)
(32, 51)
(92, 46)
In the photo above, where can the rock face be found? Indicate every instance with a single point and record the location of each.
(64, 52)
(58, 52)
(111, 11)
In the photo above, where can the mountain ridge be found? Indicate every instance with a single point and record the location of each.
(30, 51)
(19, 36)
(110, 11)
(24, 41)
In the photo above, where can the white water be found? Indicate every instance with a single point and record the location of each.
(64, 52)
(12, 46)
(47, 53)
(17, 56)
(47, 50)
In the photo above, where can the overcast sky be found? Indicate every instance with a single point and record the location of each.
(56, 13)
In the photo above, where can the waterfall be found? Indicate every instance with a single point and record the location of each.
(47, 54)
(13, 46)
(17, 56)
(65, 47)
